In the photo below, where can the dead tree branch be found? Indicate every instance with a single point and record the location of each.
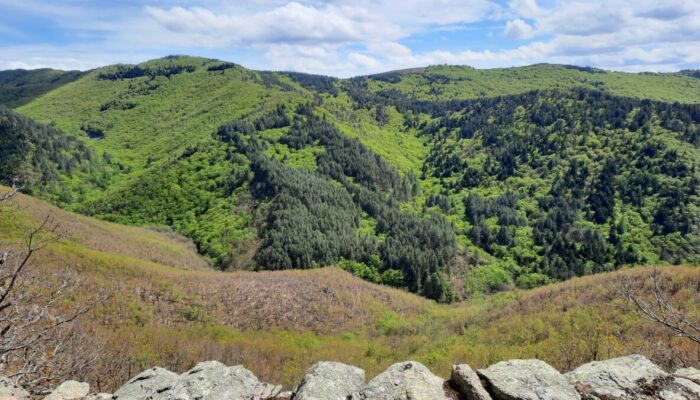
(653, 305)
(39, 340)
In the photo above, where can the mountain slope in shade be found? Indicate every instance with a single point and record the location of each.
(20, 86)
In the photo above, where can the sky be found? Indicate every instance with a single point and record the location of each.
(348, 38)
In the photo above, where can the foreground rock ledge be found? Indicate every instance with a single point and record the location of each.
(625, 378)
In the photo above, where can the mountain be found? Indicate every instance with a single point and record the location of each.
(447, 181)
(165, 307)
(445, 82)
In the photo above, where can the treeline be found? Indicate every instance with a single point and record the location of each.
(36, 154)
(136, 71)
(590, 162)
(317, 83)
(345, 157)
(312, 221)
(222, 66)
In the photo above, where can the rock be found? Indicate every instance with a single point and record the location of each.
(209, 380)
(690, 374)
(213, 380)
(70, 390)
(149, 384)
(404, 381)
(468, 384)
(619, 378)
(266, 391)
(680, 388)
(10, 391)
(330, 381)
(100, 396)
(284, 396)
(527, 380)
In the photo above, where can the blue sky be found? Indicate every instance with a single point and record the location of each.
(343, 38)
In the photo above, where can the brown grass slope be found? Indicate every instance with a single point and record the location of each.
(161, 247)
(280, 323)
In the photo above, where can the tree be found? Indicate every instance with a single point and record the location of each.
(602, 196)
(39, 340)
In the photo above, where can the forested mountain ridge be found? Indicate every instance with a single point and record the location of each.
(447, 82)
(434, 179)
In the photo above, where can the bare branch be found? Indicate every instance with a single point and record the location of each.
(659, 309)
(38, 335)
(11, 193)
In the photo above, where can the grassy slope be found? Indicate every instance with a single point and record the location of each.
(450, 82)
(19, 86)
(279, 323)
(165, 248)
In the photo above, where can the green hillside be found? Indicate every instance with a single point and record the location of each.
(456, 82)
(444, 180)
(19, 86)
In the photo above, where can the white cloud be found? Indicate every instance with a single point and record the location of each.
(335, 37)
(290, 23)
(526, 8)
(364, 62)
(518, 29)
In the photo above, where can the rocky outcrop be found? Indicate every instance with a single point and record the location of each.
(148, 384)
(625, 378)
(214, 380)
(468, 384)
(630, 377)
(330, 381)
(209, 380)
(70, 390)
(527, 380)
(404, 381)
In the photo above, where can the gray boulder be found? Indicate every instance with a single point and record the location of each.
(690, 374)
(468, 384)
(404, 381)
(527, 380)
(10, 391)
(70, 390)
(213, 380)
(620, 378)
(330, 381)
(148, 385)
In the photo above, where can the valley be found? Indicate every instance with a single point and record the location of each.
(275, 219)
(168, 311)
(448, 181)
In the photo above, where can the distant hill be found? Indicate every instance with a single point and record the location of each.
(445, 82)
(20, 86)
(447, 181)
